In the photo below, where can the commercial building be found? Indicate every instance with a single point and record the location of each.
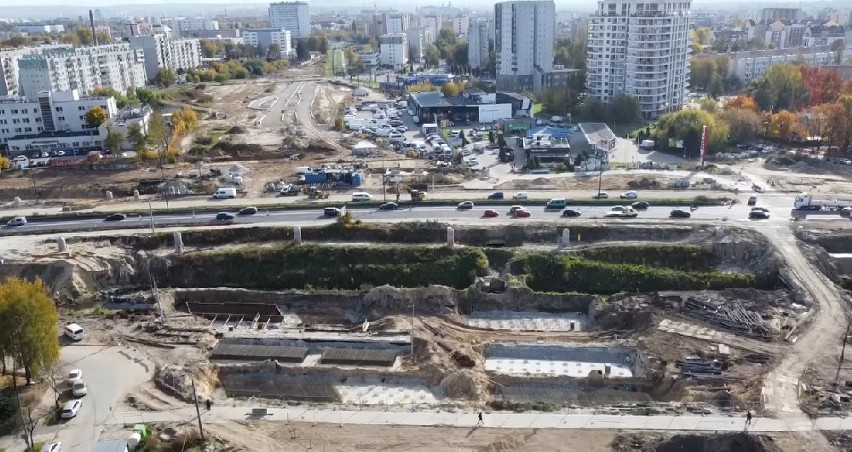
(294, 17)
(773, 14)
(524, 43)
(161, 51)
(265, 37)
(189, 24)
(473, 105)
(36, 123)
(640, 48)
(115, 66)
(477, 43)
(749, 65)
(394, 50)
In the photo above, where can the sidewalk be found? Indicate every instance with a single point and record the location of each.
(492, 420)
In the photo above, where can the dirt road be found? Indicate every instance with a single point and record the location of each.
(816, 343)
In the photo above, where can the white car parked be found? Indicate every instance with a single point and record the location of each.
(71, 408)
(521, 195)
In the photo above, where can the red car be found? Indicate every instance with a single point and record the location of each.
(490, 213)
(521, 213)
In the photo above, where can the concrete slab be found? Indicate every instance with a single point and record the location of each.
(528, 321)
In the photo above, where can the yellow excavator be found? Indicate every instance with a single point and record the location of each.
(315, 193)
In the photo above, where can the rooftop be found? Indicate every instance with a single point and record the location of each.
(435, 99)
(597, 132)
(59, 134)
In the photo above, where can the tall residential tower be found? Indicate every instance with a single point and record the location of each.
(294, 17)
(524, 34)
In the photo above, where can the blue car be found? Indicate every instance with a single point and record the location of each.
(389, 206)
(496, 195)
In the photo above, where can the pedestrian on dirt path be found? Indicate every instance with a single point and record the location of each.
(480, 421)
(208, 403)
(748, 418)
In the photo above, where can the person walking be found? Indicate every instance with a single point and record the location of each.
(480, 421)
(748, 418)
(208, 403)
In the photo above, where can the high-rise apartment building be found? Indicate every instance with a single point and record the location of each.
(186, 25)
(115, 66)
(435, 23)
(294, 17)
(393, 49)
(640, 48)
(265, 37)
(9, 66)
(477, 43)
(162, 51)
(524, 44)
(397, 23)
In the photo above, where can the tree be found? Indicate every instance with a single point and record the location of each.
(687, 125)
(28, 319)
(422, 87)
(136, 137)
(274, 52)
(781, 87)
(84, 35)
(432, 56)
(183, 121)
(625, 108)
(785, 125)
(704, 69)
(208, 48)
(831, 123)
(148, 96)
(451, 89)
(302, 51)
(95, 117)
(823, 85)
(459, 56)
(166, 77)
(744, 124)
(113, 140)
(157, 129)
(707, 104)
(742, 102)
(104, 37)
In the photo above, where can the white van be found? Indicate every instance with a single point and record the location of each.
(74, 331)
(225, 192)
(361, 196)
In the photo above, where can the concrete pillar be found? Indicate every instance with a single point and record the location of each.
(109, 195)
(16, 202)
(178, 242)
(720, 232)
(566, 237)
(297, 234)
(451, 237)
(61, 244)
(136, 195)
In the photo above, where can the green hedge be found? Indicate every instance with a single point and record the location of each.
(677, 257)
(329, 267)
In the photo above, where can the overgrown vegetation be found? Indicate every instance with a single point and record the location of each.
(677, 257)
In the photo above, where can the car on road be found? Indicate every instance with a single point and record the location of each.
(71, 408)
(760, 209)
(465, 205)
(489, 213)
(522, 213)
(17, 221)
(677, 213)
(629, 195)
(752, 200)
(245, 211)
(79, 388)
(601, 195)
(75, 376)
(641, 205)
(52, 447)
(513, 209)
(496, 195)
(116, 217)
(389, 206)
(331, 212)
(570, 213)
(225, 216)
(521, 195)
(758, 215)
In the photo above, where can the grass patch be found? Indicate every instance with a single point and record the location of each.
(519, 407)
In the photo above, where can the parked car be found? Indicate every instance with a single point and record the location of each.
(570, 213)
(17, 221)
(601, 195)
(224, 216)
(760, 209)
(752, 200)
(522, 213)
(489, 213)
(79, 388)
(389, 206)
(71, 408)
(52, 447)
(629, 195)
(677, 213)
(116, 217)
(641, 205)
(75, 376)
(465, 205)
(247, 211)
(758, 215)
(521, 195)
(496, 195)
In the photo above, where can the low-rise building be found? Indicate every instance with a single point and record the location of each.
(547, 148)
(265, 37)
(127, 117)
(473, 105)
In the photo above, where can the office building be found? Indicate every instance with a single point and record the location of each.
(115, 66)
(294, 17)
(393, 49)
(265, 37)
(524, 44)
(162, 51)
(772, 14)
(477, 43)
(50, 121)
(640, 48)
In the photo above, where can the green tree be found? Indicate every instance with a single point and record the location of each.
(29, 318)
(166, 77)
(113, 140)
(274, 52)
(781, 87)
(136, 137)
(451, 89)
(687, 125)
(157, 129)
(625, 108)
(148, 96)
(84, 35)
(432, 55)
(302, 51)
(95, 117)
(744, 124)
(208, 48)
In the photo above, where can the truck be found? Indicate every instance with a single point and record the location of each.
(622, 212)
(806, 201)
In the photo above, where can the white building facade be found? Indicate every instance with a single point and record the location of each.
(418, 39)
(265, 37)
(187, 24)
(294, 17)
(477, 43)
(640, 48)
(397, 23)
(524, 43)
(435, 23)
(459, 25)
(393, 50)
(9, 66)
(749, 65)
(161, 51)
(115, 66)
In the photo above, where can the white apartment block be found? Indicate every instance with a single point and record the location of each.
(41, 28)
(186, 24)
(418, 39)
(9, 66)
(397, 23)
(640, 48)
(435, 23)
(524, 43)
(162, 51)
(265, 37)
(393, 49)
(459, 25)
(749, 65)
(115, 66)
(477, 43)
(47, 116)
(294, 17)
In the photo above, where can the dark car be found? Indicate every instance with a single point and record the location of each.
(677, 213)
(570, 213)
(389, 206)
(641, 205)
(758, 215)
(247, 211)
(465, 205)
(496, 195)
(331, 212)
(224, 216)
(116, 217)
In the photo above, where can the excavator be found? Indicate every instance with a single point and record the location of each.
(315, 193)
(417, 194)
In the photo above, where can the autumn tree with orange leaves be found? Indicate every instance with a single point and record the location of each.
(785, 125)
(742, 102)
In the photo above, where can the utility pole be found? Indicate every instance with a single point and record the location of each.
(412, 329)
(197, 410)
(151, 215)
(842, 352)
(32, 176)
